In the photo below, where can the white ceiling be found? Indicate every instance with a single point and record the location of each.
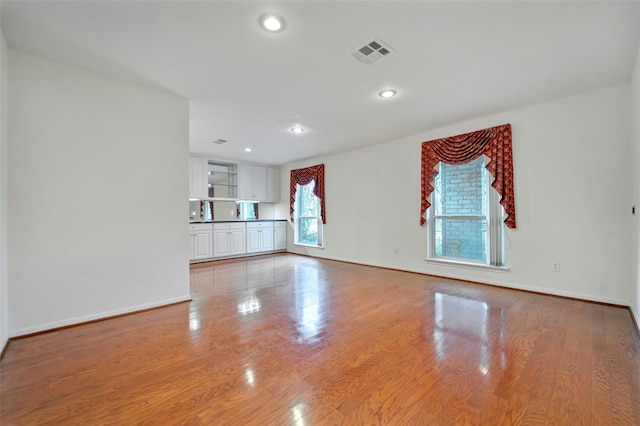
(452, 61)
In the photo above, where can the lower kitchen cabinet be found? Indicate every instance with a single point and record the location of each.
(259, 236)
(201, 241)
(229, 239)
(208, 241)
(280, 235)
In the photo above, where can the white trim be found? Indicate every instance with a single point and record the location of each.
(467, 265)
(508, 285)
(99, 316)
(308, 245)
(496, 228)
(634, 316)
(458, 217)
(236, 256)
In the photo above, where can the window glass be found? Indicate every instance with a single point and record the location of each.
(461, 189)
(461, 238)
(308, 229)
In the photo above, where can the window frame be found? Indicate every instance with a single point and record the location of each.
(495, 232)
(298, 218)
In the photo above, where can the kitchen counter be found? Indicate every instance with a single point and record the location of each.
(239, 221)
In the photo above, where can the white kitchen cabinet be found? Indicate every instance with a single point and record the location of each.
(260, 183)
(259, 236)
(245, 182)
(198, 170)
(280, 235)
(253, 182)
(273, 185)
(228, 239)
(222, 181)
(201, 241)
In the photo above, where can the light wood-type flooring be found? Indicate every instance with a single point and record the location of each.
(292, 340)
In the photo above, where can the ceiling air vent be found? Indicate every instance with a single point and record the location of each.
(372, 51)
(220, 141)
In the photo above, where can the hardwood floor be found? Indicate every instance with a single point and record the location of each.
(290, 340)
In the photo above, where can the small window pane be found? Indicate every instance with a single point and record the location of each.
(308, 200)
(465, 239)
(308, 231)
(461, 189)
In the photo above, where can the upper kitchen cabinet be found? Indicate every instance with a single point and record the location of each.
(212, 179)
(253, 182)
(259, 183)
(273, 185)
(197, 178)
(222, 181)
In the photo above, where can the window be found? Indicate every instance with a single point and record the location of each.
(465, 219)
(308, 229)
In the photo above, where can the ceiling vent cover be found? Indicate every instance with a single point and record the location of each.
(372, 51)
(220, 141)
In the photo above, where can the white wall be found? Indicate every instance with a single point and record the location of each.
(635, 196)
(86, 153)
(572, 182)
(4, 306)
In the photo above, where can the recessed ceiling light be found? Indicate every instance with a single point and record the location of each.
(272, 23)
(297, 129)
(247, 149)
(388, 93)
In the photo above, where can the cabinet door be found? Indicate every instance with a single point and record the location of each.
(222, 243)
(237, 237)
(202, 244)
(253, 240)
(197, 178)
(273, 185)
(259, 183)
(280, 238)
(245, 176)
(266, 237)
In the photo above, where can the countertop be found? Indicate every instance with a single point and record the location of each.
(234, 221)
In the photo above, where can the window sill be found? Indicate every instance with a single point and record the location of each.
(469, 265)
(308, 245)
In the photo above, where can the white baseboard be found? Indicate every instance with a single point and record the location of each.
(636, 318)
(513, 286)
(3, 345)
(102, 315)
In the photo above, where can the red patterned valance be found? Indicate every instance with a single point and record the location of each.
(494, 142)
(305, 176)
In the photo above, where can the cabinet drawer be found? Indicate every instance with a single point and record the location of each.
(280, 224)
(227, 226)
(259, 225)
(200, 227)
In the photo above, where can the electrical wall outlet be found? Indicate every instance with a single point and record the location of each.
(555, 266)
